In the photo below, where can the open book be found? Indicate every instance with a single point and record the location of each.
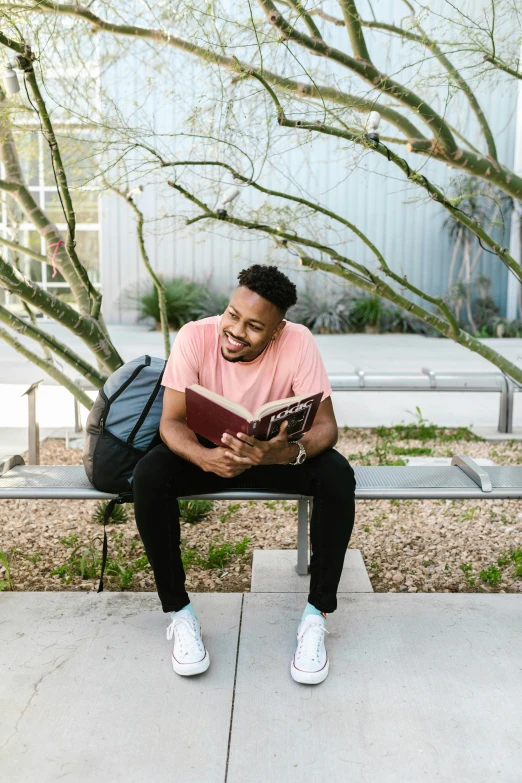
(210, 415)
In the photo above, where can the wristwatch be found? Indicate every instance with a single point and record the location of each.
(301, 456)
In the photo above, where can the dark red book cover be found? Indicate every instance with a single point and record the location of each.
(210, 420)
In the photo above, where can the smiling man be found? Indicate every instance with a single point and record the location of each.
(252, 355)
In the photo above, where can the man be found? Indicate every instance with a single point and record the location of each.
(251, 355)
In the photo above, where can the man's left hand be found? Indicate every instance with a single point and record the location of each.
(276, 451)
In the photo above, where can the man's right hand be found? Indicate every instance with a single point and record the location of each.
(220, 462)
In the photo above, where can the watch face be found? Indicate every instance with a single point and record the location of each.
(301, 458)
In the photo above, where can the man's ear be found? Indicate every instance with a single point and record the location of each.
(279, 328)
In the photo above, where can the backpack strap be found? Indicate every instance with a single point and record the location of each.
(122, 498)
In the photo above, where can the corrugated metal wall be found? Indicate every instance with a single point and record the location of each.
(407, 228)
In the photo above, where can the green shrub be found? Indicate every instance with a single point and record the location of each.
(366, 311)
(322, 313)
(118, 515)
(183, 297)
(194, 510)
(211, 303)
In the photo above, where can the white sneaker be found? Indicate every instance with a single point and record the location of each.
(189, 655)
(310, 663)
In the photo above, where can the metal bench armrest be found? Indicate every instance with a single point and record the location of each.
(10, 462)
(473, 470)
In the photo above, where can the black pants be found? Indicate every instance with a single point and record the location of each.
(162, 476)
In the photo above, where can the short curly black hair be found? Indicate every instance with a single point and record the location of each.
(271, 284)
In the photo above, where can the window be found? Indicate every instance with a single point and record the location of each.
(35, 160)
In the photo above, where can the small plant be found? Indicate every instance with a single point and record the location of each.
(423, 431)
(118, 514)
(271, 504)
(412, 451)
(194, 510)
(70, 540)
(242, 546)
(467, 568)
(219, 554)
(366, 529)
(188, 556)
(85, 562)
(491, 575)
(231, 509)
(468, 515)
(7, 560)
(516, 556)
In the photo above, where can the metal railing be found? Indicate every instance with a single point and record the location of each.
(425, 380)
(430, 381)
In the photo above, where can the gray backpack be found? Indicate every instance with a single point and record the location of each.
(121, 427)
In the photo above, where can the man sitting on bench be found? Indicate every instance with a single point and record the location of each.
(251, 355)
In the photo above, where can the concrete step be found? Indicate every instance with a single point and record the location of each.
(273, 571)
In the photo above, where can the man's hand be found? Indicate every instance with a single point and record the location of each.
(220, 462)
(245, 449)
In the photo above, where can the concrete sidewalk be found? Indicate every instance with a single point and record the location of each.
(422, 687)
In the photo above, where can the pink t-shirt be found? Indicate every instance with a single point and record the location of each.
(290, 365)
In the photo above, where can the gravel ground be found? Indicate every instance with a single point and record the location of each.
(414, 546)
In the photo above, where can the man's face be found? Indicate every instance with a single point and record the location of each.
(247, 325)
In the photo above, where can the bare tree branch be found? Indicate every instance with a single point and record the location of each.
(85, 327)
(55, 345)
(455, 74)
(352, 21)
(158, 283)
(414, 176)
(47, 367)
(369, 73)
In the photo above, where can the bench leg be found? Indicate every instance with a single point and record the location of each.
(302, 537)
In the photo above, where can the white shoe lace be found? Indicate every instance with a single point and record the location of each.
(187, 635)
(319, 630)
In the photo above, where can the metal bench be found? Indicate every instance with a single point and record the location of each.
(463, 479)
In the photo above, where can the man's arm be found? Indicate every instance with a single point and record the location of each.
(174, 431)
(323, 434)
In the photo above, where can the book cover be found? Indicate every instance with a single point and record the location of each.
(210, 419)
